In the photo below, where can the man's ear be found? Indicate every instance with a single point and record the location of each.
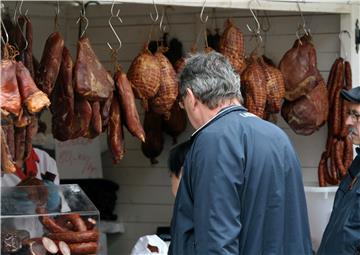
(192, 98)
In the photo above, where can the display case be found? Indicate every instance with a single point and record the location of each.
(48, 219)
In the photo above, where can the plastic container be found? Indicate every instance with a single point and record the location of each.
(319, 202)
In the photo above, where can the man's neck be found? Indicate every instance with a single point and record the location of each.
(208, 114)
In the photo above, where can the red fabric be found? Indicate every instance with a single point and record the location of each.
(30, 167)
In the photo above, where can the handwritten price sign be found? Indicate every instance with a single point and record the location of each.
(79, 158)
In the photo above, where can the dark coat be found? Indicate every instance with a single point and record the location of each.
(342, 234)
(241, 191)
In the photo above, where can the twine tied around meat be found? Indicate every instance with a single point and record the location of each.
(10, 52)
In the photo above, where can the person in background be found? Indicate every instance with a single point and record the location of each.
(241, 190)
(342, 233)
(176, 160)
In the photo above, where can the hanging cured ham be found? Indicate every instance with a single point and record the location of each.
(298, 67)
(168, 90)
(10, 100)
(92, 81)
(34, 99)
(275, 87)
(253, 82)
(63, 109)
(50, 63)
(144, 73)
(154, 142)
(176, 124)
(306, 114)
(232, 46)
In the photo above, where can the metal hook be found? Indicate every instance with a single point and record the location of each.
(202, 13)
(257, 30)
(83, 17)
(161, 25)
(341, 41)
(6, 34)
(303, 26)
(26, 19)
(112, 28)
(266, 28)
(157, 13)
(57, 12)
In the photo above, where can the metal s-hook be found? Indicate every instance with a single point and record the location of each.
(83, 17)
(161, 25)
(342, 43)
(6, 34)
(258, 29)
(202, 19)
(303, 26)
(157, 13)
(57, 12)
(112, 28)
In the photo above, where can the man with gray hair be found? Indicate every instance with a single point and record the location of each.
(241, 190)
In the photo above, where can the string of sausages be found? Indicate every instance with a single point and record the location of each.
(338, 153)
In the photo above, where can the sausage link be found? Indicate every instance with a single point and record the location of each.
(51, 225)
(7, 164)
(83, 248)
(128, 107)
(115, 131)
(336, 117)
(337, 73)
(321, 171)
(348, 153)
(333, 170)
(348, 76)
(339, 152)
(76, 220)
(76, 237)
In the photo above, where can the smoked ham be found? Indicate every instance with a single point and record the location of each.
(253, 82)
(154, 141)
(34, 99)
(92, 81)
(308, 113)
(168, 90)
(50, 63)
(275, 87)
(298, 67)
(10, 100)
(176, 124)
(232, 46)
(144, 74)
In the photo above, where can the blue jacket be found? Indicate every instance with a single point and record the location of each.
(342, 234)
(241, 191)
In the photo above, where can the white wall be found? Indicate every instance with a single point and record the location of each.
(144, 199)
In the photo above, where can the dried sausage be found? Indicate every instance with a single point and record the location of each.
(128, 107)
(76, 237)
(83, 248)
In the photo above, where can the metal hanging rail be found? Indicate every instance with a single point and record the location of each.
(318, 6)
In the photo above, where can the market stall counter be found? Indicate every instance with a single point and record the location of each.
(48, 219)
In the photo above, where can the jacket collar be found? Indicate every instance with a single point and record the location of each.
(221, 113)
(354, 169)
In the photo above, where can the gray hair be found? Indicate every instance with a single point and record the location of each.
(211, 78)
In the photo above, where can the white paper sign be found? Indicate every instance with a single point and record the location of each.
(79, 158)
